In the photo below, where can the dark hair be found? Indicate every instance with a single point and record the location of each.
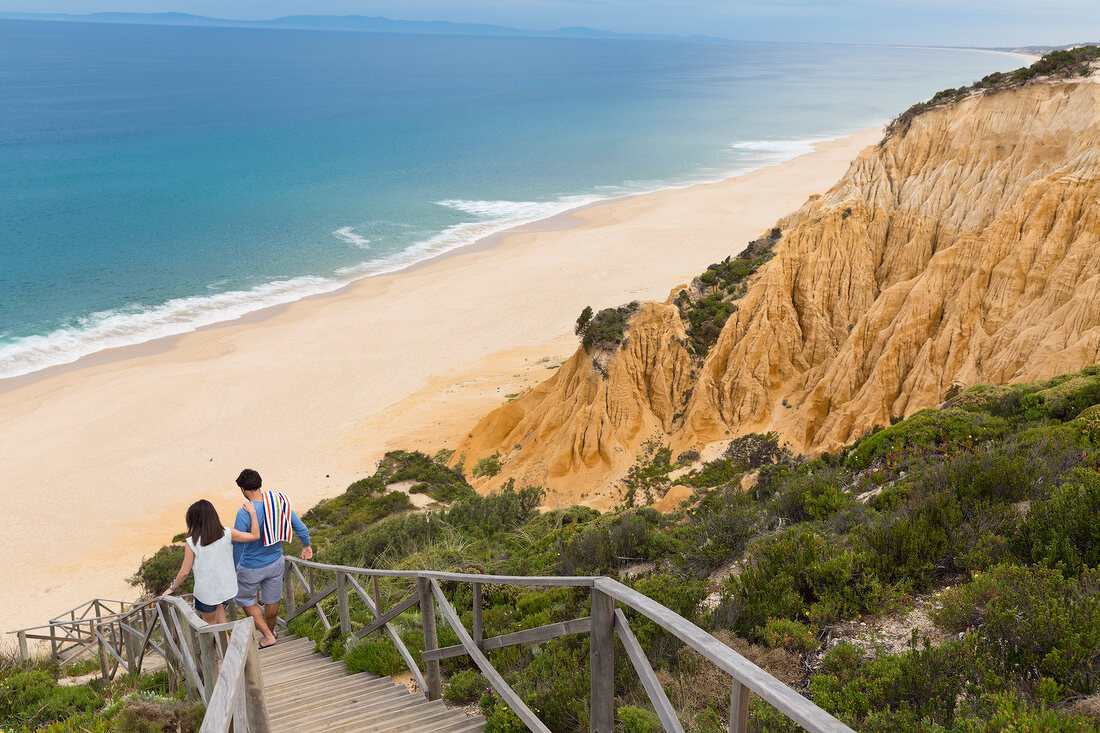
(203, 524)
(249, 480)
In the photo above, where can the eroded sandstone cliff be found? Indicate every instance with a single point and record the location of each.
(965, 249)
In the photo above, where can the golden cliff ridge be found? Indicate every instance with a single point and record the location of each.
(964, 250)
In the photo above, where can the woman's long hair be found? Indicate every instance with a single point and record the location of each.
(203, 524)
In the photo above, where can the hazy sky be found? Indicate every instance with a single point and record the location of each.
(954, 22)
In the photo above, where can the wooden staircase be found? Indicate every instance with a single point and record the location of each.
(306, 691)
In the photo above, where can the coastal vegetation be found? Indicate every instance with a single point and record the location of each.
(1061, 63)
(940, 574)
(710, 301)
(606, 329)
(42, 697)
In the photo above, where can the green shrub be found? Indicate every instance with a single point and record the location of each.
(145, 713)
(1033, 623)
(794, 636)
(607, 328)
(377, 656)
(464, 687)
(487, 467)
(798, 574)
(33, 698)
(1064, 531)
(718, 530)
(156, 573)
(894, 690)
(638, 720)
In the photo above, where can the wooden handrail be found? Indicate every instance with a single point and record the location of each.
(746, 677)
(237, 695)
(239, 678)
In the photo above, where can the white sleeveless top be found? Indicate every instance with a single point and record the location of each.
(215, 574)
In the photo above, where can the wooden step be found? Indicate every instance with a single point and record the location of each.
(306, 692)
(353, 688)
(349, 683)
(412, 719)
(378, 709)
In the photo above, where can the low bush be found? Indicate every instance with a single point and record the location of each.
(606, 329)
(464, 687)
(487, 467)
(638, 720)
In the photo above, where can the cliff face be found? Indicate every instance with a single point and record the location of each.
(584, 423)
(965, 250)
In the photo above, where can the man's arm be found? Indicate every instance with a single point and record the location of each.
(303, 534)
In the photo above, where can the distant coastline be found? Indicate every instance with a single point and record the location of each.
(351, 23)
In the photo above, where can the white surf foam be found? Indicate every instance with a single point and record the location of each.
(130, 326)
(135, 325)
(347, 234)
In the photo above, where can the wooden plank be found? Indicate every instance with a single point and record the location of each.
(739, 708)
(220, 707)
(342, 602)
(601, 662)
(377, 592)
(410, 662)
(24, 652)
(511, 699)
(653, 689)
(388, 616)
(536, 635)
(774, 692)
(431, 638)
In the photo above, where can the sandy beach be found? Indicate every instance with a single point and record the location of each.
(101, 460)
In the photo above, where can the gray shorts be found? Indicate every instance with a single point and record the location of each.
(268, 580)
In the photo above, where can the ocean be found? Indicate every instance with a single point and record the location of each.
(157, 179)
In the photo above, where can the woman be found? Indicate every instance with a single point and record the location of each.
(209, 552)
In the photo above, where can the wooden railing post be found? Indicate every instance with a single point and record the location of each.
(208, 654)
(342, 602)
(129, 644)
(739, 708)
(254, 692)
(102, 654)
(377, 594)
(24, 652)
(602, 663)
(431, 639)
(288, 588)
(476, 618)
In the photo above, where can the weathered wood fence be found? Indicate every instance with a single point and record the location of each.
(606, 622)
(218, 664)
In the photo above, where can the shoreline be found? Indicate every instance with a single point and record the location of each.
(102, 459)
(560, 221)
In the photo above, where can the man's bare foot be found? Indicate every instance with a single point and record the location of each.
(267, 641)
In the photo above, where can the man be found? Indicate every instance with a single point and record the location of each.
(260, 565)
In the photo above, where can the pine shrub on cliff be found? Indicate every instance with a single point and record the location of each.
(1062, 63)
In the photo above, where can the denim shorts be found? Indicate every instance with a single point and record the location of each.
(203, 608)
(268, 580)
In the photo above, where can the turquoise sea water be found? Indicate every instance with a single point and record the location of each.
(157, 179)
